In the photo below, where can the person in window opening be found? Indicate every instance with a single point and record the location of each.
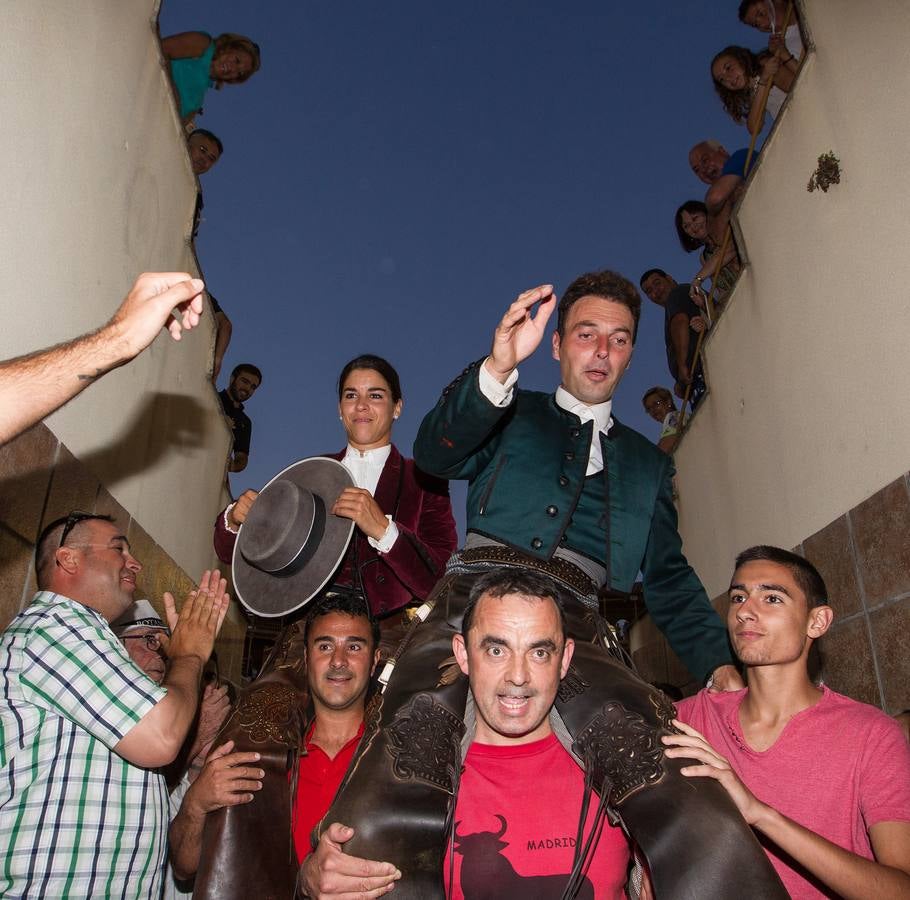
(696, 227)
(245, 380)
(659, 405)
(768, 17)
(750, 84)
(205, 150)
(198, 61)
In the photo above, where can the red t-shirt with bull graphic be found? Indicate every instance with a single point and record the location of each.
(517, 821)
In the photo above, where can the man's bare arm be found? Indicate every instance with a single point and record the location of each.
(156, 738)
(852, 877)
(679, 336)
(723, 191)
(225, 329)
(35, 385)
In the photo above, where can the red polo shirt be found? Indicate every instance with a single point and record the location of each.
(317, 783)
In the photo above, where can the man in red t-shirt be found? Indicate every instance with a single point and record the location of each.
(520, 799)
(824, 779)
(342, 648)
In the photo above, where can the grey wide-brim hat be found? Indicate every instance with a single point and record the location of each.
(290, 544)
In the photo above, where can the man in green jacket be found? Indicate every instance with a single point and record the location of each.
(542, 468)
(557, 485)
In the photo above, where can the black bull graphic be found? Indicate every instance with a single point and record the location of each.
(487, 875)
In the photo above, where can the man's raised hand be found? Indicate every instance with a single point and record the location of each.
(194, 629)
(519, 333)
(150, 306)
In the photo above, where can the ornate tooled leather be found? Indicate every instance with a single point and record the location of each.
(247, 850)
(268, 714)
(424, 741)
(622, 749)
(572, 685)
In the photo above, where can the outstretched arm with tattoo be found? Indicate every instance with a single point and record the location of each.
(35, 385)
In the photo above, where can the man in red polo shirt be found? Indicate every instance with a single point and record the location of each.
(341, 654)
(342, 649)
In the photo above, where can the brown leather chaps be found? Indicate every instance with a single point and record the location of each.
(247, 850)
(399, 792)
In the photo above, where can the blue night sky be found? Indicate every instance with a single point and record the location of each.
(397, 173)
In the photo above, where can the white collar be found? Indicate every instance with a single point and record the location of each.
(375, 457)
(600, 412)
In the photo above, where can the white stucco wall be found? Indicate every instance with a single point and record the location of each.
(809, 410)
(97, 189)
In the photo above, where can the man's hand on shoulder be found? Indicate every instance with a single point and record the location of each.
(519, 333)
(726, 678)
(329, 872)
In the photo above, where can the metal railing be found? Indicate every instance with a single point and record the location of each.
(728, 236)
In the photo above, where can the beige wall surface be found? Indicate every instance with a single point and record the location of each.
(97, 189)
(809, 408)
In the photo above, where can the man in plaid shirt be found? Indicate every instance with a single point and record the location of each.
(83, 809)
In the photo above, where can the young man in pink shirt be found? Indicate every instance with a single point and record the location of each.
(824, 780)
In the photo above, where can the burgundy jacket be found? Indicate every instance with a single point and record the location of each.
(420, 507)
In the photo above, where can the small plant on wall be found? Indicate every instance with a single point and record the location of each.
(827, 173)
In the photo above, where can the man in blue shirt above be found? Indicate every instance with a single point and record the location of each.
(723, 173)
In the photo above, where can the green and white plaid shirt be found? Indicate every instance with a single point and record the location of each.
(76, 819)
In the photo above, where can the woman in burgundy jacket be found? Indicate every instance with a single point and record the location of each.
(405, 529)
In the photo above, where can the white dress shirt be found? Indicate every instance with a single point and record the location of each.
(600, 413)
(366, 468)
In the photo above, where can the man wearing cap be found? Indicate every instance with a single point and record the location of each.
(144, 635)
(558, 485)
(83, 808)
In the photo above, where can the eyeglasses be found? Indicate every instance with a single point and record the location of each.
(72, 520)
(152, 641)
